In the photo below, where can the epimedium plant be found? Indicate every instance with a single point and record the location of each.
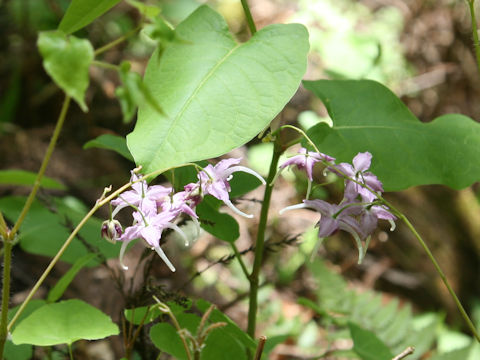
(202, 95)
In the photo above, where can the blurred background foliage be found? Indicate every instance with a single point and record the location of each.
(421, 49)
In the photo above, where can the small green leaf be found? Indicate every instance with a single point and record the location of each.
(165, 337)
(57, 291)
(216, 94)
(406, 152)
(110, 142)
(149, 11)
(22, 177)
(135, 316)
(367, 345)
(133, 93)
(221, 225)
(242, 183)
(64, 323)
(80, 13)
(66, 60)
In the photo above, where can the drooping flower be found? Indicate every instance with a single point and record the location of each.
(111, 230)
(142, 196)
(359, 173)
(149, 227)
(306, 161)
(214, 180)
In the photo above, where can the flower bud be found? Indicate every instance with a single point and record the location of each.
(111, 230)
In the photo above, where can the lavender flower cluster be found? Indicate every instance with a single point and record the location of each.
(156, 207)
(360, 209)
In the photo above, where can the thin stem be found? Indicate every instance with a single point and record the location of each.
(260, 242)
(105, 65)
(471, 5)
(116, 41)
(408, 351)
(164, 308)
(43, 167)
(248, 16)
(240, 260)
(7, 257)
(70, 353)
(442, 275)
(260, 346)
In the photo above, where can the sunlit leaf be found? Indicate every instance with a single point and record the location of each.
(66, 60)
(110, 142)
(64, 323)
(80, 13)
(216, 94)
(406, 152)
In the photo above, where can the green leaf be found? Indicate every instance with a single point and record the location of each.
(221, 225)
(133, 93)
(231, 328)
(110, 142)
(367, 345)
(220, 345)
(27, 178)
(43, 232)
(57, 291)
(64, 323)
(216, 94)
(80, 13)
(136, 315)
(243, 183)
(24, 351)
(66, 60)
(369, 117)
(149, 11)
(165, 337)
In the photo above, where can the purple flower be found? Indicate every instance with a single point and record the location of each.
(111, 230)
(306, 160)
(359, 173)
(358, 220)
(214, 180)
(149, 227)
(142, 196)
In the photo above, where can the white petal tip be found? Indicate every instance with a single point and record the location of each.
(124, 267)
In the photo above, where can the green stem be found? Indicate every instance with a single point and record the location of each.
(3, 227)
(248, 16)
(471, 5)
(260, 243)
(116, 41)
(7, 257)
(70, 353)
(240, 260)
(164, 308)
(442, 275)
(43, 167)
(105, 65)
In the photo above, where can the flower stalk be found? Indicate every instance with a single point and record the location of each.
(260, 242)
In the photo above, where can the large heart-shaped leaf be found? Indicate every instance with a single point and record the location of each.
(80, 13)
(64, 323)
(66, 60)
(216, 94)
(406, 152)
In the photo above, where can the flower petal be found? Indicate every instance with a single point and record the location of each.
(362, 161)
